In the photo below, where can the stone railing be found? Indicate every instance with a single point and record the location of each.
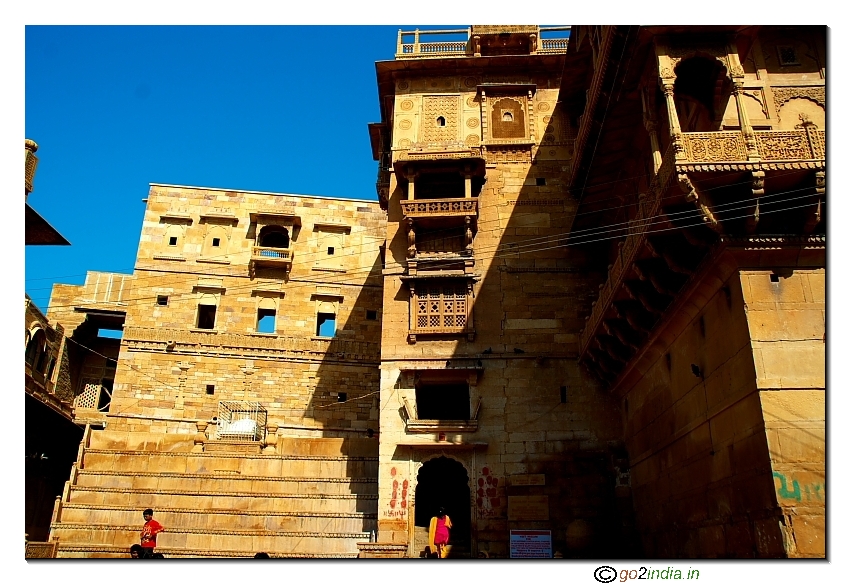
(440, 207)
(438, 49)
(553, 45)
(772, 145)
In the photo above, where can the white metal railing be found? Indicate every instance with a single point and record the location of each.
(448, 48)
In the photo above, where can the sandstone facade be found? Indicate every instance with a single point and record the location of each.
(589, 301)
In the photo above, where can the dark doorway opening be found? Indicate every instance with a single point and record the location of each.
(443, 482)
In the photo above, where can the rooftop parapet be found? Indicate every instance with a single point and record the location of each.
(481, 40)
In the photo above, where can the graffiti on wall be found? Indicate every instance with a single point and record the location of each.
(398, 500)
(488, 500)
(790, 489)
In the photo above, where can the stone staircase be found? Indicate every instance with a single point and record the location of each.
(308, 497)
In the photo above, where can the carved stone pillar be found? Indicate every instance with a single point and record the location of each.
(411, 337)
(468, 234)
(411, 182)
(675, 128)
(648, 104)
(744, 120)
(476, 45)
(820, 192)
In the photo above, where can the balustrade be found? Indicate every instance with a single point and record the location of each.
(441, 207)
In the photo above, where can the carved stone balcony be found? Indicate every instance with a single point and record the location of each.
(274, 257)
(778, 149)
(440, 208)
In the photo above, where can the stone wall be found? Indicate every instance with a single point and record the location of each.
(196, 249)
(786, 318)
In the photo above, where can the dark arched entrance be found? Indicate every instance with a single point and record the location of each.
(443, 482)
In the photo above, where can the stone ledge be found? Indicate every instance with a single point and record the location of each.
(381, 551)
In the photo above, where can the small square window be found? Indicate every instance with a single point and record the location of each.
(341, 397)
(326, 325)
(774, 278)
(161, 300)
(216, 242)
(211, 389)
(172, 241)
(330, 250)
(206, 317)
(371, 314)
(266, 321)
(541, 181)
(787, 55)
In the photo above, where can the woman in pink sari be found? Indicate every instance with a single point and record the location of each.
(438, 532)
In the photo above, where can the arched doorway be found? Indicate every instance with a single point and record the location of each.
(443, 482)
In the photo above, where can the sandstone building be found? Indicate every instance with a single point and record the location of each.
(589, 301)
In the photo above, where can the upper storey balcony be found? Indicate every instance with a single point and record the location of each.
(441, 211)
(274, 234)
(482, 40)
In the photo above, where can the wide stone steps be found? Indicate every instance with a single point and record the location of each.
(78, 550)
(309, 498)
(201, 463)
(225, 482)
(158, 499)
(215, 540)
(230, 519)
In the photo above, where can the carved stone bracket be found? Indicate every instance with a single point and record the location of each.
(691, 195)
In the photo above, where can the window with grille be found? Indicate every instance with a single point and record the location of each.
(441, 307)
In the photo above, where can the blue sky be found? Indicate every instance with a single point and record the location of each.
(267, 108)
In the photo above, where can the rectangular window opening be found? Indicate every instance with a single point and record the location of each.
(211, 389)
(563, 394)
(371, 314)
(206, 317)
(326, 325)
(161, 300)
(341, 397)
(266, 321)
(443, 402)
(106, 333)
(172, 241)
(541, 181)
(330, 250)
(216, 242)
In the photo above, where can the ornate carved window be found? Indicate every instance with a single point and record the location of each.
(440, 307)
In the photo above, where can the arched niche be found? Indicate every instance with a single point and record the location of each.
(701, 92)
(274, 236)
(799, 109)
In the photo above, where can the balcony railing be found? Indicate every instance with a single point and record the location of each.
(440, 207)
(462, 47)
(271, 255)
(772, 145)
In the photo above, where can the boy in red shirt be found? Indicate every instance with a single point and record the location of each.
(149, 532)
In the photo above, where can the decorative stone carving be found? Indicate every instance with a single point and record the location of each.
(783, 145)
(472, 122)
(714, 146)
(405, 124)
(406, 105)
(782, 95)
